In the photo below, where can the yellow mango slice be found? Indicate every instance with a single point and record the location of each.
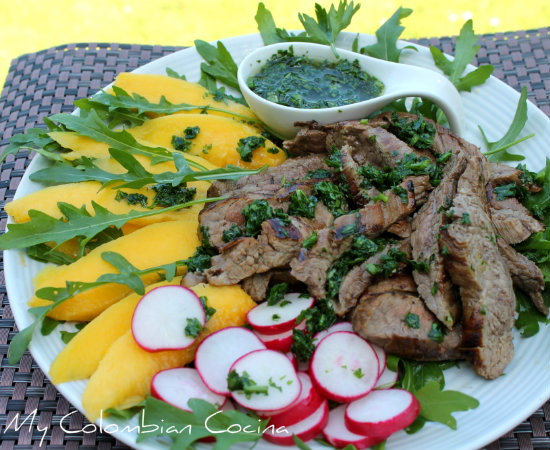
(82, 194)
(151, 246)
(124, 375)
(216, 142)
(80, 357)
(176, 91)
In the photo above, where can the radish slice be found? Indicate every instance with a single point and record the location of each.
(344, 366)
(269, 369)
(306, 429)
(387, 379)
(381, 354)
(281, 317)
(168, 318)
(292, 359)
(217, 353)
(177, 386)
(337, 434)
(281, 341)
(382, 412)
(340, 326)
(306, 404)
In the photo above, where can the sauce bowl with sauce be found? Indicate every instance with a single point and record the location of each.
(304, 81)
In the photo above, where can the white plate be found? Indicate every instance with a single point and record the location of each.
(504, 402)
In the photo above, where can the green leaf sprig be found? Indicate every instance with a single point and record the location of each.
(127, 275)
(387, 36)
(498, 151)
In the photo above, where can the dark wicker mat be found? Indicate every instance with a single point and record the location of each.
(47, 82)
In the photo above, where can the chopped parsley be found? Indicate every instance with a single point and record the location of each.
(277, 293)
(257, 212)
(437, 333)
(465, 219)
(301, 205)
(168, 195)
(505, 191)
(208, 310)
(200, 261)
(332, 196)
(247, 145)
(193, 327)
(181, 144)
(131, 199)
(310, 241)
(232, 233)
(273, 150)
(319, 174)
(417, 133)
(191, 132)
(358, 373)
(435, 288)
(412, 320)
(244, 383)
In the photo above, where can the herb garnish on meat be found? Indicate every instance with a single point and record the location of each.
(301, 205)
(417, 133)
(257, 212)
(332, 196)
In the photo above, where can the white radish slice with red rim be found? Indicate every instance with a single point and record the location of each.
(217, 353)
(340, 326)
(292, 359)
(168, 318)
(280, 317)
(177, 386)
(344, 366)
(306, 404)
(382, 412)
(271, 370)
(281, 341)
(387, 379)
(306, 429)
(337, 434)
(381, 354)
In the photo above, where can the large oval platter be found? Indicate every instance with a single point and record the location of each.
(504, 402)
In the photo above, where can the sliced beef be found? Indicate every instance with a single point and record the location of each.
(311, 266)
(515, 226)
(401, 229)
(290, 170)
(403, 282)
(360, 195)
(434, 286)
(310, 139)
(476, 267)
(502, 174)
(193, 278)
(275, 247)
(257, 285)
(359, 278)
(381, 319)
(525, 274)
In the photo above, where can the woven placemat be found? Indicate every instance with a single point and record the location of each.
(47, 82)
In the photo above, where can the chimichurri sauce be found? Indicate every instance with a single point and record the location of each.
(301, 82)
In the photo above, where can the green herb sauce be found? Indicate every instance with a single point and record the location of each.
(301, 82)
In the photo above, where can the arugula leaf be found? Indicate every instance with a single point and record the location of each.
(322, 30)
(329, 24)
(465, 52)
(205, 421)
(438, 405)
(529, 318)
(497, 151)
(539, 202)
(34, 139)
(48, 325)
(125, 413)
(136, 176)
(221, 65)
(173, 74)
(387, 36)
(77, 222)
(67, 336)
(122, 102)
(45, 253)
(127, 275)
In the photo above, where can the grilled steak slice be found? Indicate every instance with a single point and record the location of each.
(310, 139)
(401, 229)
(525, 274)
(475, 265)
(360, 195)
(275, 247)
(503, 174)
(292, 169)
(311, 266)
(514, 226)
(257, 285)
(402, 282)
(382, 320)
(359, 278)
(434, 286)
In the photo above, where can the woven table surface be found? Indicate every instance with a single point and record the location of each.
(47, 82)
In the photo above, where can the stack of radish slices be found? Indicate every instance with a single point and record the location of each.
(253, 369)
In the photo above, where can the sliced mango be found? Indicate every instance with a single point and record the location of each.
(216, 141)
(176, 91)
(80, 358)
(151, 246)
(124, 375)
(82, 194)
